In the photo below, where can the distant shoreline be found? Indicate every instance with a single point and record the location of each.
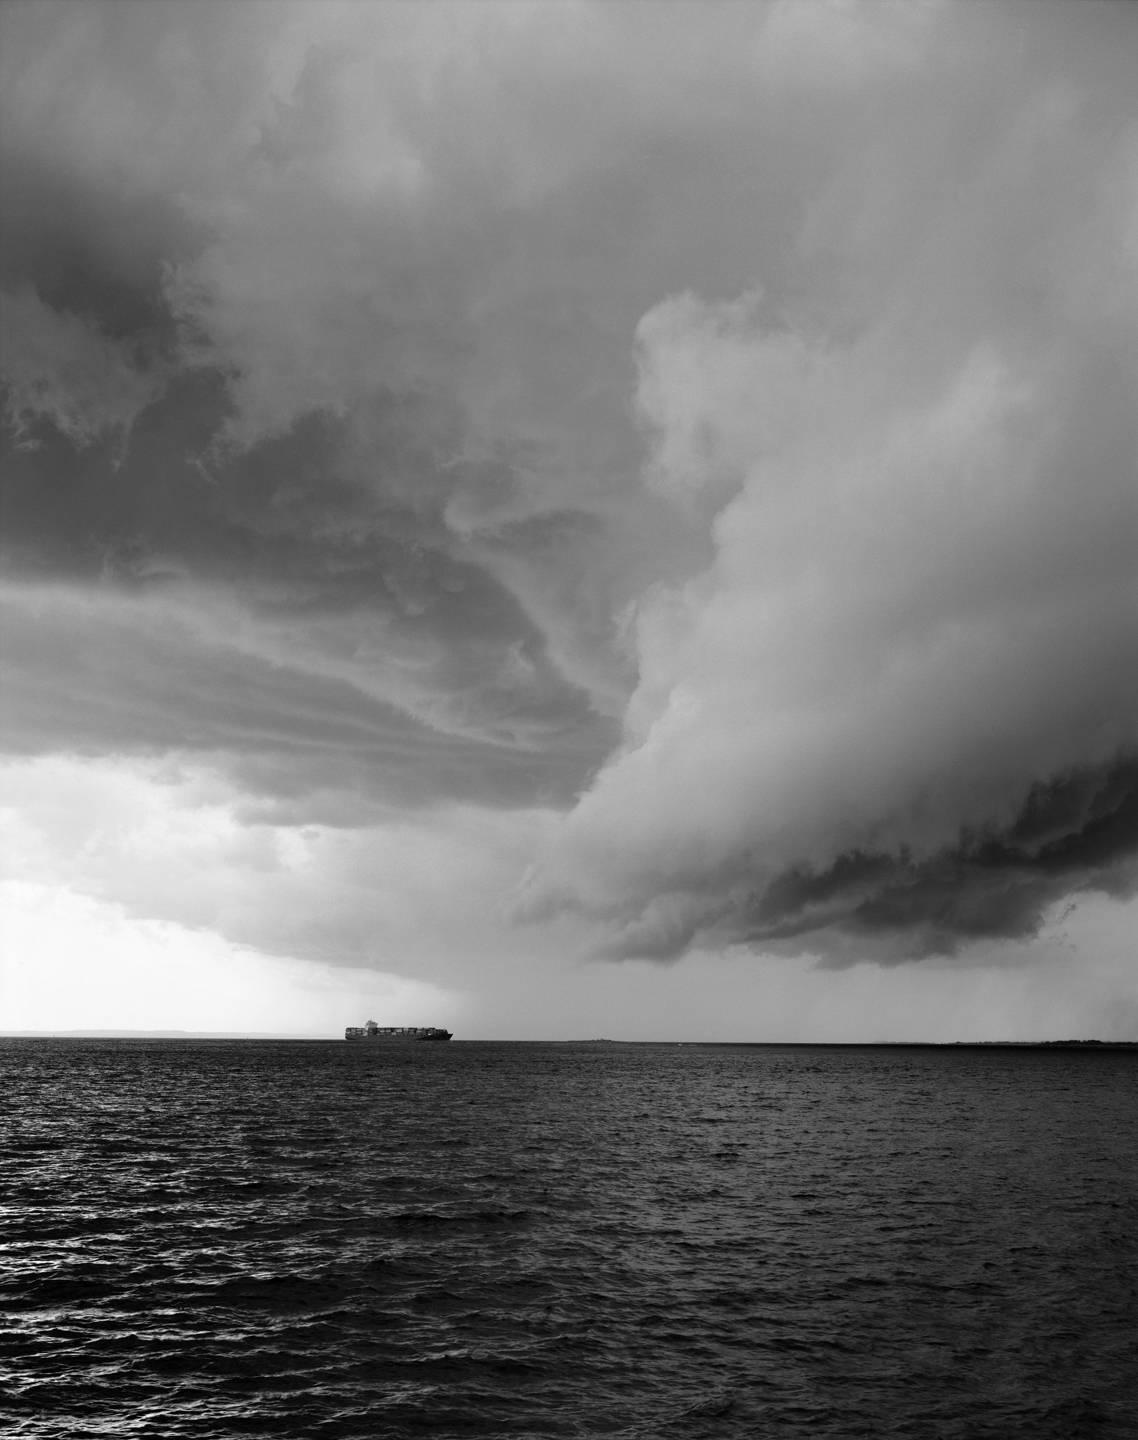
(154, 1035)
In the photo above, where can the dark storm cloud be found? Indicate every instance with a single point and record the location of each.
(106, 674)
(334, 532)
(88, 338)
(1077, 833)
(340, 533)
(92, 249)
(358, 575)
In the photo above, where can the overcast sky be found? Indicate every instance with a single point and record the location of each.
(570, 519)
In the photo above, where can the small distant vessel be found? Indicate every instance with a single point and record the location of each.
(372, 1031)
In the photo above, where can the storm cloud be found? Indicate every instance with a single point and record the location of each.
(714, 435)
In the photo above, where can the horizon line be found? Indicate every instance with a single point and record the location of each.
(173, 1034)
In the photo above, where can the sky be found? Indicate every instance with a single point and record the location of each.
(570, 519)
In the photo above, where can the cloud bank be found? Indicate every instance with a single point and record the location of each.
(708, 445)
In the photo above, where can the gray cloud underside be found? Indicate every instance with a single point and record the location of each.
(1078, 833)
(336, 536)
(349, 575)
(85, 679)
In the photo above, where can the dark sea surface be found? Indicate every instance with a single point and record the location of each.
(236, 1238)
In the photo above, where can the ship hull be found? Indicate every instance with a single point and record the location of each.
(373, 1034)
(397, 1039)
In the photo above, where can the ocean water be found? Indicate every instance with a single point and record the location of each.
(216, 1239)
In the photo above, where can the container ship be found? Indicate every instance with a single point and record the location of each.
(372, 1031)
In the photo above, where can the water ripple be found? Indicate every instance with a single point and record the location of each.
(240, 1239)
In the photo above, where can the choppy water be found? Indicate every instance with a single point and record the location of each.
(471, 1240)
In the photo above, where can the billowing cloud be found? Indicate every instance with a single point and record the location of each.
(919, 630)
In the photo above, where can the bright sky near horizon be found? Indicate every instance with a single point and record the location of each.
(570, 519)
